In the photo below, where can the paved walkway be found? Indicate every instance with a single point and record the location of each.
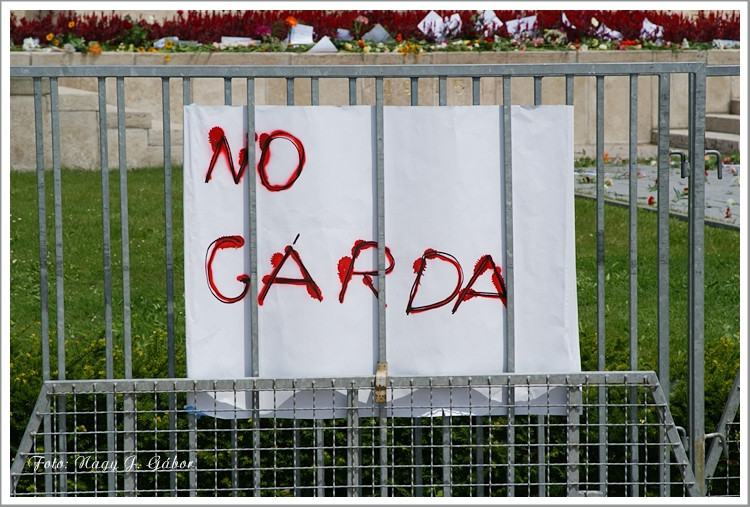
(722, 195)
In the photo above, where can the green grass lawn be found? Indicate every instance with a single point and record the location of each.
(84, 297)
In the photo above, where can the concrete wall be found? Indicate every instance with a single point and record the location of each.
(143, 96)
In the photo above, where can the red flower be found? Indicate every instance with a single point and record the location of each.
(728, 214)
(399, 38)
(651, 200)
(290, 21)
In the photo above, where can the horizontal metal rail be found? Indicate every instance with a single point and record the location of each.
(364, 71)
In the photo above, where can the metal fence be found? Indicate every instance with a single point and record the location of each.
(370, 452)
(615, 436)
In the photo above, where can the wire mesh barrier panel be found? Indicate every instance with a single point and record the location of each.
(369, 452)
(603, 433)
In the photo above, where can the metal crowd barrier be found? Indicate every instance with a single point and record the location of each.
(616, 436)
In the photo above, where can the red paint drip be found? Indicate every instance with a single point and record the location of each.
(214, 136)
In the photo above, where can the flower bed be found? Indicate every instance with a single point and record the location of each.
(403, 31)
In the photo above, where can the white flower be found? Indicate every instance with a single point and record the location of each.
(685, 44)
(30, 43)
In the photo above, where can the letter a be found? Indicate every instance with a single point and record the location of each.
(277, 261)
(482, 265)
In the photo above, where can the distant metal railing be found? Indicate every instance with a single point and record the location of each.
(589, 451)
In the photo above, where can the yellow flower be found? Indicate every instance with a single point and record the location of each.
(167, 59)
(71, 24)
(168, 44)
(50, 36)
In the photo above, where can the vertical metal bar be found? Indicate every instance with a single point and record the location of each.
(416, 422)
(476, 95)
(253, 226)
(352, 91)
(314, 91)
(253, 254)
(510, 363)
(600, 272)
(320, 476)
(186, 91)
(508, 182)
(382, 357)
(234, 453)
(633, 278)
(418, 449)
(569, 90)
(234, 437)
(480, 455)
(290, 91)
(256, 441)
(542, 454)
(128, 412)
(192, 417)
(663, 261)
(537, 90)
(442, 91)
(573, 439)
(169, 272)
(123, 168)
(352, 443)
(296, 459)
(193, 450)
(43, 283)
(541, 468)
(227, 91)
(447, 458)
(59, 278)
(380, 168)
(107, 266)
(663, 233)
(696, 246)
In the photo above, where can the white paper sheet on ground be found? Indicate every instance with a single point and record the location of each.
(324, 45)
(432, 24)
(651, 31)
(607, 33)
(517, 27)
(239, 41)
(343, 34)
(490, 22)
(301, 34)
(378, 34)
(444, 207)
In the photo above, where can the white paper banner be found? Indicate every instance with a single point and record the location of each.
(316, 232)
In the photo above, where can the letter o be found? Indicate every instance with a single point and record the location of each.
(265, 154)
